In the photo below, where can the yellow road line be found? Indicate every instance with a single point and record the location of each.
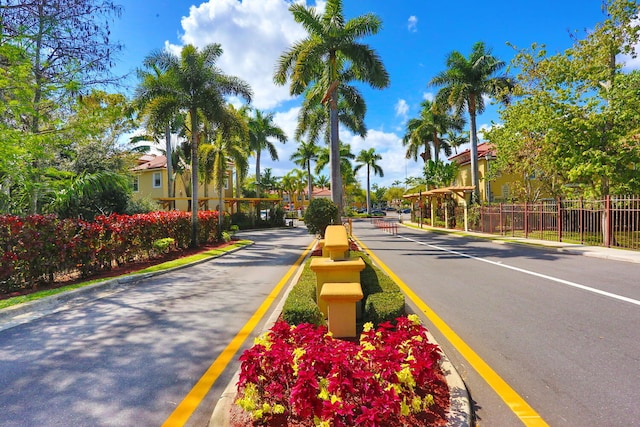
(518, 405)
(192, 400)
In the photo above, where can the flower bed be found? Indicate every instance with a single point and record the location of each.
(301, 376)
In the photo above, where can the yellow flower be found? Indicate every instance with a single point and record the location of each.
(278, 409)
(405, 377)
(367, 327)
(414, 319)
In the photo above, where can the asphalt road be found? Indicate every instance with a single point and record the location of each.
(131, 356)
(562, 330)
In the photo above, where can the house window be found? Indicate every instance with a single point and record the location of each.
(135, 184)
(157, 180)
(505, 191)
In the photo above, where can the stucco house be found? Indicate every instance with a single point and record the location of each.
(150, 180)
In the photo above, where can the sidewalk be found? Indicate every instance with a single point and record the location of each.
(624, 255)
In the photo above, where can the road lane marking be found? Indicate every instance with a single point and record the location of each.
(192, 400)
(532, 273)
(518, 405)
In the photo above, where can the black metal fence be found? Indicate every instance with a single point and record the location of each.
(611, 222)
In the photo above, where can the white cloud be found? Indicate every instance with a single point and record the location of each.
(429, 96)
(253, 34)
(412, 24)
(402, 108)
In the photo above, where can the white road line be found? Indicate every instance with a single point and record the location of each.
(532, 273)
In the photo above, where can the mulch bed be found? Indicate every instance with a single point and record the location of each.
(130, 267)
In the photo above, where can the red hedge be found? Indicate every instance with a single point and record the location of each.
(35, 248)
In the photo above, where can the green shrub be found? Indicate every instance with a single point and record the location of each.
(321, 213)
(164, 245)
(301, 306)
(383, 306)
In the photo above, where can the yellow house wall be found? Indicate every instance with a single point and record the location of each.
(495, 187)
(145, 189)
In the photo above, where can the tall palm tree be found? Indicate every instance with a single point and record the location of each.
(434, 121)
(463, 85)
(227, 148)
(331, 38)
(261, 128)
(160, 112)
(196, 85)
(306, 153)
(369, 158)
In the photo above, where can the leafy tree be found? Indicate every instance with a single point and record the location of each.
(196, 85)
(575, 123)
(439, 174)
(69, 51)
(434, 122)
(369, 158)
(261, 128)
(306, 153)
(330, 39)
(463, 85)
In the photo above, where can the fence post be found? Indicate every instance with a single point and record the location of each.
(501, 223)
(607, 219)
(526, 221)
(559, 220)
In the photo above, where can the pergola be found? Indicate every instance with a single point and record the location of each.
(463, 192)
(230, 201)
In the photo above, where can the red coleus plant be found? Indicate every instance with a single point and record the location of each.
(303, 376)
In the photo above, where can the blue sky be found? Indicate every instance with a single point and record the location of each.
(414, 42)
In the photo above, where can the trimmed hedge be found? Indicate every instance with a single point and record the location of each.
(383, 300)
(36, 248)
(300, 305)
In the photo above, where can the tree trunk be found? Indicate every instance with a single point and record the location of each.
(334, 154)
(194, 178)
(168, 150)
(309, 179)
(475, 181)
(368, 192)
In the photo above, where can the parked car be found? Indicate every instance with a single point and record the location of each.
(378, 212)
(406, 211)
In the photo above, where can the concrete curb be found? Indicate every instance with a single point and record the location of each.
(460, 414)
(25, 312)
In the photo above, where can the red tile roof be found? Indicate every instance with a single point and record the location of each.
(484, 149)
(151, 161)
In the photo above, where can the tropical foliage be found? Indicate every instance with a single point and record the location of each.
(464, 84)
(575, 123)
(320, 59)
(196, 85)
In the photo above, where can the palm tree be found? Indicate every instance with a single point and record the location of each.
(369, 158)
(261, 128)
(226, 149)
(434, 121)
(464, 83)
(194, 84)
(160, 112)
(330, 39)
(322, 181)
(303, 156)
(456, 139)
(439, 174)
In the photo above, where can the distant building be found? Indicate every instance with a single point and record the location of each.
(150, 180)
